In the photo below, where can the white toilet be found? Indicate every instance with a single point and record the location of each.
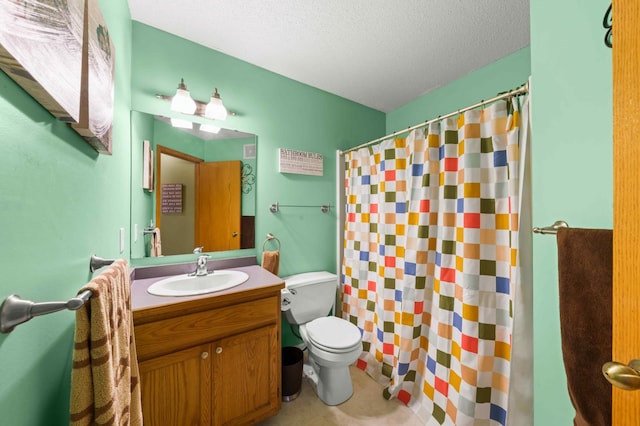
(333, 344)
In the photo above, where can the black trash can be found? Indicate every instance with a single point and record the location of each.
(292, 359)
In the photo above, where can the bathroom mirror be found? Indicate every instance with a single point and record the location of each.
(201, 192)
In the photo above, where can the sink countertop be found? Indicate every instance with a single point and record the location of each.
(148, 307)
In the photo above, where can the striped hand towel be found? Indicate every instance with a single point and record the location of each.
(105, 386)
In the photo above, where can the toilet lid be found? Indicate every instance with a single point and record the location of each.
(333, 332)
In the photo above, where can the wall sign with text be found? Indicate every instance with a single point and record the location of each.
(299, 162)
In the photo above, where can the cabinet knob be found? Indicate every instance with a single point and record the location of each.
(204, 355)
(219, 350)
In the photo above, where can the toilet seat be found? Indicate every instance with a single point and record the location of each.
(333, 334)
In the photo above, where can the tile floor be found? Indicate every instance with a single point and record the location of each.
(365, 407)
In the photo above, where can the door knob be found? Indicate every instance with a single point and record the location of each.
(625, 377)
(234, 234)
(219, 350)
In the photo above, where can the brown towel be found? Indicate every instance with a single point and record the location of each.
(585, 259)
(271, 261)
(105, 386)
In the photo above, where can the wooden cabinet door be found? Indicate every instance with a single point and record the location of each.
(218, 190)
(176, 388)
(246, 377)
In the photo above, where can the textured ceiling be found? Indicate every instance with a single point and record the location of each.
(379, 53)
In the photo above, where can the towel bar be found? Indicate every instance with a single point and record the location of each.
(15, 311)
(275, 207)
(553, 229)
(97, 262)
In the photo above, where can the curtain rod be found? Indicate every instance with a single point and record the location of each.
(515, 92)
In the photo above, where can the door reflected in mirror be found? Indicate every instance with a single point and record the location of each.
(203, 189)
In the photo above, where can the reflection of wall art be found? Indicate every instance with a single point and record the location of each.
(171, 198)
(61, 54)
(248, 178)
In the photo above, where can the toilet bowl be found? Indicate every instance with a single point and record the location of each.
(327, 368)
(333, 344)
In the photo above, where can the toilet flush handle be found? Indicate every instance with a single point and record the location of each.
(285, 299)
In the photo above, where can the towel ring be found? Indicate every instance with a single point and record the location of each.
(270, 237)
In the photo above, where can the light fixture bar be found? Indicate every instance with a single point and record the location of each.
(200, 106)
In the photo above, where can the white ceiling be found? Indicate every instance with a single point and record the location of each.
(379, 53)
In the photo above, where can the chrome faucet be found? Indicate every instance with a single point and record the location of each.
(201, 266)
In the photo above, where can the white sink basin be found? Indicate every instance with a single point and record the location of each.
(187, 285)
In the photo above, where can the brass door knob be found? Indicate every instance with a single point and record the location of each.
(625, 377)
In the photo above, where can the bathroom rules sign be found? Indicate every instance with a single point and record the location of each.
(300, 162)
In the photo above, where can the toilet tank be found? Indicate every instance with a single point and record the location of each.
(311, 295)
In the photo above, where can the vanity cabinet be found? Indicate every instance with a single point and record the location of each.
(211, 361)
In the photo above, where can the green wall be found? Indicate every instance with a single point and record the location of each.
(502, 75)
(572, 166)
(61, 203)
(284, 114)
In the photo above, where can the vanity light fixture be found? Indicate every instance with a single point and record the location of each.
(182, 101)
(210, 128)
(181, 124)
(215, 109)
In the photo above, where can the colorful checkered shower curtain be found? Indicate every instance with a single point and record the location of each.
(430, 263)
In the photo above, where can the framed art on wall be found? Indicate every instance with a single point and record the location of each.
(61, 54)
